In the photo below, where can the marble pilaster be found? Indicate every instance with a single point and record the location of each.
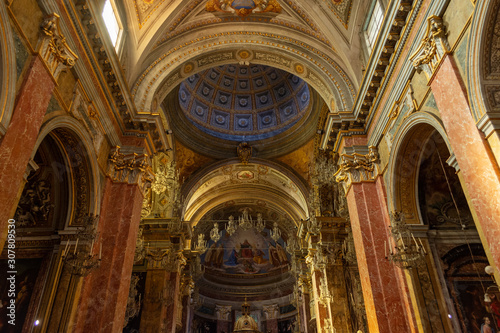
(105, 291)
(386, 298)
(478, 166)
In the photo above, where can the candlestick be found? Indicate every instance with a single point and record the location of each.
(414, 240)
(402, 241)
(423, 247)
(74, 252)
(65, 252)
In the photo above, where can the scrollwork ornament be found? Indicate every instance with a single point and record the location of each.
(54, 49)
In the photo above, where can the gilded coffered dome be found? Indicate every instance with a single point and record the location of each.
(244, 103)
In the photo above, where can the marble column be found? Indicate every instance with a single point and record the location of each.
(223, 313)
(18, 143)
(271, 313)
(33, 98)
(384, 291)
(153, 309)
(304, 303)
(478, 166)
(105, 291)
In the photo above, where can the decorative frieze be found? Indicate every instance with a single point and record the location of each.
(432, 48)
(54, 49)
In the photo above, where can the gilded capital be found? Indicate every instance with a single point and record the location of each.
(223, 312)
(130, 168)
(432, 48)
(357, 167)
(54, 49)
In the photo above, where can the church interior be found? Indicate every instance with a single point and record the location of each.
(258, 166)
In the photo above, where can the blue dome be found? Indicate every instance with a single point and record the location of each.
(244, 103)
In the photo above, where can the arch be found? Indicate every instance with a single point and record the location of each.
(66, 129)
(407, 150)
(8, 75)
(169, 69)
(231, 180)
(483, 73)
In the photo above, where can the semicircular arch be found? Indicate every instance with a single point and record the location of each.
(169, 69)
(409, 145)
(80, 157)
(231, 180)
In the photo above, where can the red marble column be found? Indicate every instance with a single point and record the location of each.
(105, 291)
(18, 142)
(173, 308)
(272, 326)
(387, 305)
(222, 326)
(475, 159)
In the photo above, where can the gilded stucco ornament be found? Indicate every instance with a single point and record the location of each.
(130, 168)
(356, 167)
(54, 49)
(243, 8)
(223, 312)
(432, 48)
(244, 152)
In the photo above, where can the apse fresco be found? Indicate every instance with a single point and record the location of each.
(246, 252)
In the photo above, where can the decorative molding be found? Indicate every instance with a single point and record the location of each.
(130, 169)
(53, 49)
(432, 48)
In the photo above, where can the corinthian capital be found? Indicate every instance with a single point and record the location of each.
(54, 49)
(130, 168)
(359, 166)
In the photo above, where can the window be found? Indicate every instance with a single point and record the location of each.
(374, 24)
(111, 21)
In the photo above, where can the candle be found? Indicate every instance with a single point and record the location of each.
(74, 252)
(402, 241)
(100, 251)
(65, 252)
(385, 248)
(423, 247)
(92, 246)
(414, 240)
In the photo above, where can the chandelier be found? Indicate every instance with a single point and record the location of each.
(407, 252)
(231, 226)
(201, 246)
(275, 232)
(215, 235)
(245, 221)
(81, 263)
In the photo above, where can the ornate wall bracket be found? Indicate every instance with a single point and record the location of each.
(432, 48)
(53, 48)
(357, 168)
(130, 169)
